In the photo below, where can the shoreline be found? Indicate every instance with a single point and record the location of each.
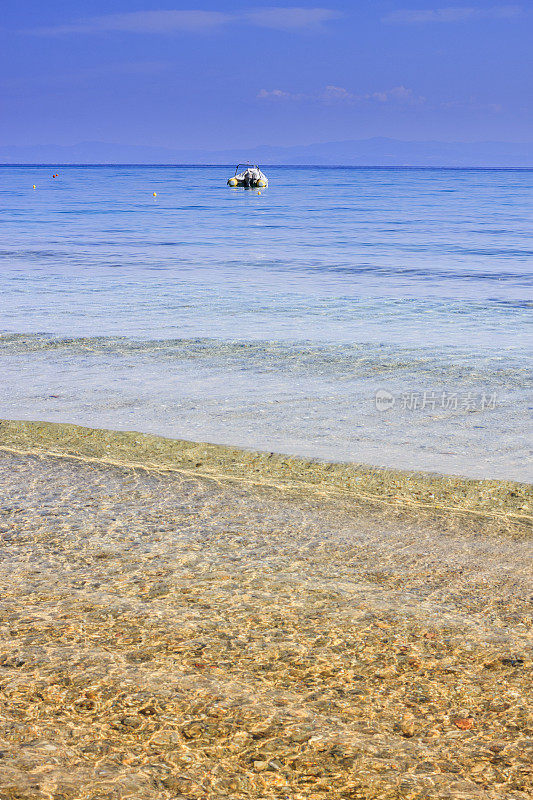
(494, 505)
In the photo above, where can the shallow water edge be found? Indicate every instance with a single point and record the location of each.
(493, 505)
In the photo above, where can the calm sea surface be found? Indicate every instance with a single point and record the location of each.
(371, 315)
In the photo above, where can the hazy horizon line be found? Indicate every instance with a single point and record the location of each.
(231, 164)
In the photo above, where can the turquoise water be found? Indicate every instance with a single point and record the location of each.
(270, 320)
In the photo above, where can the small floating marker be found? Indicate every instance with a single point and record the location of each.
(34, 186)
(155, 194)
(258, 192)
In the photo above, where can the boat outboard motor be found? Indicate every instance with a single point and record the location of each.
(250, 177)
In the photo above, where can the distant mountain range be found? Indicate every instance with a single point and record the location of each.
(363, 152)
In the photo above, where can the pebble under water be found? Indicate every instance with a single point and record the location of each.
(167, 636)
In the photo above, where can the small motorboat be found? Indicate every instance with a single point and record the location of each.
(250, 177)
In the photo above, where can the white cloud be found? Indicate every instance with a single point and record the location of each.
(471, 104)
(275, 94)
(144, 22)
(290, 18)
(398, 94)
(278, 94)
(451, 14)
(169, 21)
(338, 94)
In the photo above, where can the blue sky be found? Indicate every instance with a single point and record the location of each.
(226, 74)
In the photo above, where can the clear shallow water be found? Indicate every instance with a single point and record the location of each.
(271, 320)
(315, 626)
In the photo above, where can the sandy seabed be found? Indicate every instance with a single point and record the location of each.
(172, 635)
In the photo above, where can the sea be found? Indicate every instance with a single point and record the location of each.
(371, 315)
